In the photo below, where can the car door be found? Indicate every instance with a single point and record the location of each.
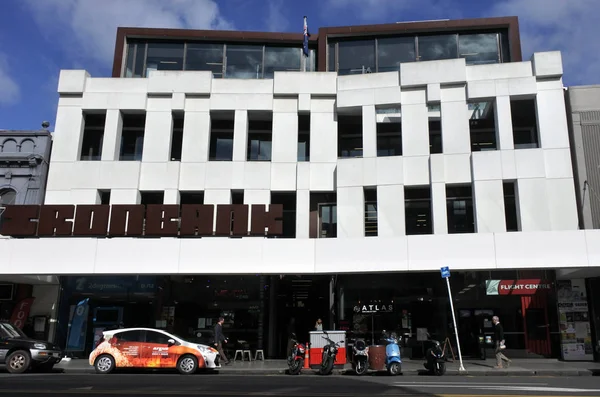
(128, 344)
(156, 351)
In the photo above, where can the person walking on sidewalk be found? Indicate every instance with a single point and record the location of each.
(220, 338)
(499, 339)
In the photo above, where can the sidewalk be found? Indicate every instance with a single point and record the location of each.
(519, 367)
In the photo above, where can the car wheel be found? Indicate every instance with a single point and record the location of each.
(18, 362)
(187, 365)
(104, 364)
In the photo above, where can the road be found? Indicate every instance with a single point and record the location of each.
(153, 384)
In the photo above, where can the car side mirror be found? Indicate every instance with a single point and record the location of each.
(171, 342)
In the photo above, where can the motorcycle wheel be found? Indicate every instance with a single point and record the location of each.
(441, 370)
(360, 368)
(394, 369)
(296, 367)
(326, 368)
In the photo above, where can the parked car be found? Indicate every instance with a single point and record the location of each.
(20, 353)
(150, 348)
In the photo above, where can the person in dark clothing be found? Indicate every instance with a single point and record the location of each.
(499, 339)
(291, 330)
(220, 338)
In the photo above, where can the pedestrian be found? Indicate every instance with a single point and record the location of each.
(220, 338)
(500, 345)
(319, 325)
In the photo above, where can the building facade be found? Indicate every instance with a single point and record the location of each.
(334, 184)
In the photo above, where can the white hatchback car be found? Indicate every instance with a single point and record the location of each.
(150, 348)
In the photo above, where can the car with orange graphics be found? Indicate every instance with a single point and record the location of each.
(150, 348)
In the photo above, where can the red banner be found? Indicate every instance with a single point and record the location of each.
(21, 312)
(517, 287)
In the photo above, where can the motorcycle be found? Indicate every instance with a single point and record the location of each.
(296, 358)
(393, 362)
(360, 357)
(329, 354)
(436, 359)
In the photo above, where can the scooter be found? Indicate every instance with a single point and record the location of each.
(393, 362)
(436, 359)
(360, 357)
(296, 359)
(329, 354)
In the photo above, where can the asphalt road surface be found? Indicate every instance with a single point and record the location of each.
(153, 384)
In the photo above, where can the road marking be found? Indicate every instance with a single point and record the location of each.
(82, 388)
(470, 383)
(503, 387)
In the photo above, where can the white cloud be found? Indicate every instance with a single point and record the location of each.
(568, 26)
(10, 92)
(381, 11)
(276, 20)
(87, 29)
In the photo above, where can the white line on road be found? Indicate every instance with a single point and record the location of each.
(500, 387)
(468, 383)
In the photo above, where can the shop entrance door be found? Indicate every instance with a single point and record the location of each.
(593, 289)
(536, 324)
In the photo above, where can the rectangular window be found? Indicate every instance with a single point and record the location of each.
(370, 211)
(177, 136)
(389, 139)
(152, 198)
(244, 62)
(221, 136)
(482, 126)
(205, 56)
(260, 135)
(140, 60)
(93, 136)
(356, 57)
(288, 200)
(524, 122)
(132, 137)
(237, 197)
(286, 59)
(510, 206)
(393, 51)
(304, 137)
(436, 47)
(331, 61)
(417, 209)
(130, 60)
(191, 198)
(459, 205)
(323, 215)
(479, 49)
(164, 56)
(104, 197)
(350, 136)
(435, 136)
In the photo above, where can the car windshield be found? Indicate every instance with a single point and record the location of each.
(10, 331)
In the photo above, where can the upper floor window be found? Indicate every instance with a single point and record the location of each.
(132, 137)
(221, 136)
(524, 122)
(164, 56)
(93, 136)
(8, 197)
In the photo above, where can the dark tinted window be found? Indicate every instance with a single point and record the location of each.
(129, 336)
(433, 48)
(157, 337)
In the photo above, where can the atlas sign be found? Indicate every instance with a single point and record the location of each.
(516, 287)
(154, 220)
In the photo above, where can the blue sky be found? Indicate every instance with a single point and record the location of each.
(40, 37)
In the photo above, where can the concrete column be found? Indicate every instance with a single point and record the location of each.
(369, 131)
(111, 145)
(158, 136)
(415, 130)
(438, 208)
(196, 137)
(68, 134)
(489, 206)
(240, 135)
(285, 138)
(350, 212)
(303, 214)
(390, 211)
(504, 130)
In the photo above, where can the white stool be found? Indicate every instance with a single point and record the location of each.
(248, 353)
(240, 352)
(259, 353)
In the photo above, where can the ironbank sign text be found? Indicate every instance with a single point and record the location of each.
(153, 220)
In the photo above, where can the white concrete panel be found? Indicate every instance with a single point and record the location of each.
(241, 101)
(317, 83)
(172, 196)
(111, 144)
(197, 103)
(540, 250)
(355, 98)
(242, 86)
(430, 72)
(350, 172)
(530, 163)
(390, 211)
(136, 255)
(323, 138)
(450, 251)
(532, 204)
(483, 89)
(487, 165)
(388, 95)
(217, 196)
(72, 81)
(416, 170)
(562, 204)
(547, 64)
(196, 137)
(285, 104)
(489, 206)
(438, 208)
(457, 168)
(157, 136)
(302, 214)
(256, 197)
(303, 176)
(257, 175)
(350, 212)
(414, 96)
(122, 101)
(507, 70)
(415, 130)
(522, 86)
(592, 239)
(189, 82)
(125, 196)
(85, 196)
(304, 102)
(178, 101)
(284, 144)
(455, 128)
(558, 163)
(219, 174)
(368, 255)
(220, 255)
(503, 120)
(192, 176)
(73, 101)
(63, 256)
(240, 135)
(369, 171)
(390, 170)
(369, 131)
(552, 119)
(437, 168)
(367, 81)
(322, 177)
(159, 176)
(119, 174)
(509, 165)
(434, 93)
(453, 93)
(322, 105)
(283, 177)
(59, 175)
(282, 255)
(116, 84)
(68, 134)
(58, 197)
(160, 103)
(84, 174)
(550, 84)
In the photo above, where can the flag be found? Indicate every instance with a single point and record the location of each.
(306, 36)
(21, 312)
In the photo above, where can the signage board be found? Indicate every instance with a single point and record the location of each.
(517, 287)
(445, 272)
(153, 220)
(373, 308)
